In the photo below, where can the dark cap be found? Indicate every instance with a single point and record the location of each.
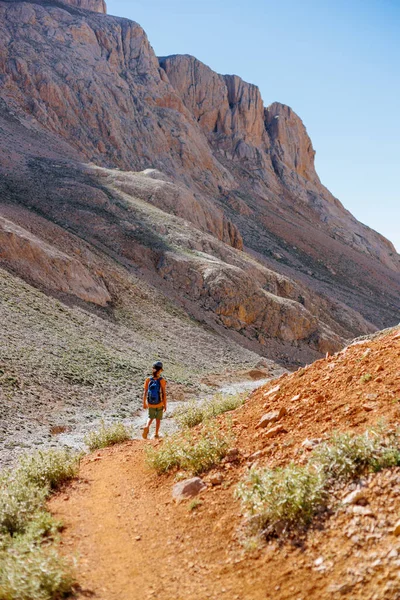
(158, 365)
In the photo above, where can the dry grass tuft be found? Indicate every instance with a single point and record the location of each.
(107, 436)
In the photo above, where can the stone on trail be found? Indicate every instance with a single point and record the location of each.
(187, 489)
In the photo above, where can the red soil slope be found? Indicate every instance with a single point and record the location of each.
(134, 542)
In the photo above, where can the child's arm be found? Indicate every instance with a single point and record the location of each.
(146, 387)
(164, 393)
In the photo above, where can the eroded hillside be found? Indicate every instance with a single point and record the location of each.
(151, 207)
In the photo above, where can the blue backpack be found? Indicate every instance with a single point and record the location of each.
(154, 391)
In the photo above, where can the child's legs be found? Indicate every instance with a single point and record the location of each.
(158, 424)
(149, 422)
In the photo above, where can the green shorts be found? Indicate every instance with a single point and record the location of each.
(156, 413)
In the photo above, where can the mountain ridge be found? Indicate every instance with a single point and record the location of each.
(104, 132)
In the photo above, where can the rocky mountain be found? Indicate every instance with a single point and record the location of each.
(112, 158)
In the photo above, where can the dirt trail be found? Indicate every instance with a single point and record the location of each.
(135, 543)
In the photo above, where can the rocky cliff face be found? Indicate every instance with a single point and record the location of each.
(192, 181)
(46, 266)
(271, 143)
(94, 5)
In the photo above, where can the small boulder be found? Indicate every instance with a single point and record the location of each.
(188, 489)
(355, 497)
(268, 418)
(216, 478)
(311, 444)
(232, 455)
(364, 511)
(273, 390)
(271, 417)
(257, 455)
(396, 529)
(275, 430)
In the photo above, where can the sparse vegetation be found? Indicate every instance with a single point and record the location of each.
(365, 378)
(347, 455)
(281, 499)
(107, 436)
(181, 451)
(193, 413)
(30, 566)
(194, 504)
(19, 501)
(30, 570)
(50, 468)
(277, 499)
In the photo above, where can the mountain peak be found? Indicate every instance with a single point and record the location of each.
(94, 5)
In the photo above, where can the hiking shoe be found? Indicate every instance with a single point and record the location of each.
(157, 437)
(145, 433)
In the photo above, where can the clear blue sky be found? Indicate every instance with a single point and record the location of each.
(335, 62)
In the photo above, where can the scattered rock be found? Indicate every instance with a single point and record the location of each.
(232, 455)
(396, 529)
(216, 478)
(368, 407)
(311, 444)
(341, 588)
(275, 430)
(187, 489)
(364, 511)
(295, 398)
(354, 497)
(272, 391)
(271, 417)
(268, 418)
(257, 455)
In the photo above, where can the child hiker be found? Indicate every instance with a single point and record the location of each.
(155, 399)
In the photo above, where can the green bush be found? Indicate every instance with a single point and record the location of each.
(347, 455)
(190, 415)
(107, 436)
(277, 499)
(49, 468)
(193, 413)
(30, 566)
(180, 451)
(30, 571)
(19, 501)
